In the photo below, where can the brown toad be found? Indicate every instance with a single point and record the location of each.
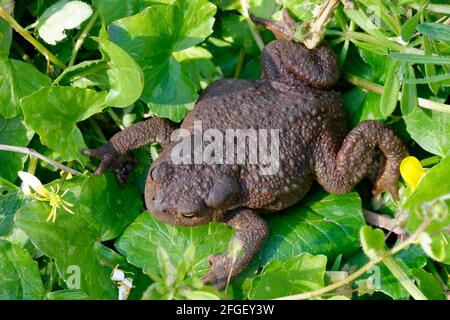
(314, 144)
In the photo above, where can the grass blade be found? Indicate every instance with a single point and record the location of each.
(391, 90)
(436, 31)
(422, 59)
(408, 101)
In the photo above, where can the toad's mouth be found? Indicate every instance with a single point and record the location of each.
(177, 219)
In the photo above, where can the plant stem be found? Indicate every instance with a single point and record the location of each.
(84, 34)
(97, 130)
(251, 25)
(383, 222)
(435, 8)
(240, 62)
(362, 270)
(33, 153)
(403, 278)
(116, 118)
(24, 33)
(317, 27)
(33, 165)
(369, 85)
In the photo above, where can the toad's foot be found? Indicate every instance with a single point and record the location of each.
(251, 232)
(121, 164)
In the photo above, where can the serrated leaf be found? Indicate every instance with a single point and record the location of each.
(54, 112)
(102, 210)
(167, 85)
(13, 133)
(19, 274)
(299, 274)
(18, 79)
(63, 15)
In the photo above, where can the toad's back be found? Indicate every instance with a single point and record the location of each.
(299, 112)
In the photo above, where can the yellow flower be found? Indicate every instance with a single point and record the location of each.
(43, 194)
(412, 171)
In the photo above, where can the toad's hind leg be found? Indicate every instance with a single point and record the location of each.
(338, 168)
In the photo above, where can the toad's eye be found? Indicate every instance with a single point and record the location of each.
(152, 174)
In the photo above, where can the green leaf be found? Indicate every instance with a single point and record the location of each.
(62, 16)
(299, 274)
(141, 240)
(392, 85)
(430, 129)
(201, 295)
(433, 186)
(408, 102)
(67, 295)
(102, 210)
(362, 105)
(421, 59)
(5, 29)
(54, 112)
(235, 30)
(436, 78)
(85, 74)
(430, 201)
(10, 201)
(197, 62)
(379, 276)
(125, 76)
(112, 10)
(436, 31)
(302, 10)
(436, 245)
(17, 80)
(429, 285)
(430, 69)
(168, 90)
(409, 27)
(13, 133)
(320, 224)
(372, 241)
(19, 274)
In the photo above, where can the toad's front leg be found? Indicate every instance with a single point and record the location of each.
(115, 153)
(251, 232)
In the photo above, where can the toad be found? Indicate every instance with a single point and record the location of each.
(294, 97)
